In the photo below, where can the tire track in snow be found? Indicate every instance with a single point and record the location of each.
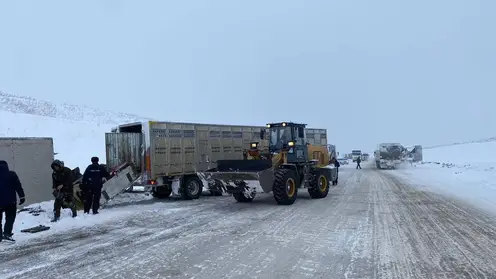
(372, 225)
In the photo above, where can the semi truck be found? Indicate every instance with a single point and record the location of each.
(365, 157)
(355, 154)
(169, 155)
(389, 155)
(30, 158)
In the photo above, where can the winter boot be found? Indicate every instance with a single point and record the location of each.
(55, 219)
(8, 238)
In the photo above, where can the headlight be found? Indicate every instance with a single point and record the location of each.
(268, 125)
(254, 145)
(291, 143)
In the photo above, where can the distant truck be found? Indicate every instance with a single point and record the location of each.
(389, 155)
(365, 157)
(30, 158)
(168, 155)
(355, 154)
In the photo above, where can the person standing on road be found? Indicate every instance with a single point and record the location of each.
(93, 178)
(337, 165)
(10, 185)
(62, 189)
(358, 160)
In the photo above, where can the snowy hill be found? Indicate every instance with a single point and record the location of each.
(28, 105)
(78, 131)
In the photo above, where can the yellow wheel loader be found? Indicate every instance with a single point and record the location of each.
(289, 165)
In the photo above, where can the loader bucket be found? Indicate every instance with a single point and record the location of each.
(242, 172)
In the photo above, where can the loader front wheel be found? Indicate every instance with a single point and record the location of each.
(285, 186)
(192, 188)
(319, 187)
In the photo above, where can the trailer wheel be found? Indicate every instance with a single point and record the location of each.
(285, 186)
(242, 197)
(192, 188)
(319, 186)
(161, 192)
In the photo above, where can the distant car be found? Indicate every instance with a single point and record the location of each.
(343, 161)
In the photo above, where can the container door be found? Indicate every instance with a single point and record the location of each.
(124, 148)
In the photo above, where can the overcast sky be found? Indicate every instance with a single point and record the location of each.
(368, 71)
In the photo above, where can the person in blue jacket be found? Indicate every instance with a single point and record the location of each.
(10, 185)
(93, 178)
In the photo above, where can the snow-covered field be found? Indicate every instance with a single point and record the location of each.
(464, 171)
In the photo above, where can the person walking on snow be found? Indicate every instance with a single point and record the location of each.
(63, 189)
(93, 178)
(10, 185)
(358, 160)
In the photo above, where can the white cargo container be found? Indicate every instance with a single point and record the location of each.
(30, 158)
(170, 154)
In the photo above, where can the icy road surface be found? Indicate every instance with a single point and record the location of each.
(371, 226)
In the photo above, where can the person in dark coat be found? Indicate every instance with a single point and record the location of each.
(337, 165)
(10, 185)
(93, 178)
(358, 160)
(63, 189)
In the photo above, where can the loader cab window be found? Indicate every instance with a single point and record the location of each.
(301, 137)
(280, 135)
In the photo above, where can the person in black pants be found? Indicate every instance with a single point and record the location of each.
(337, 165)
(358, 160)
(10, 185)
(93, 178)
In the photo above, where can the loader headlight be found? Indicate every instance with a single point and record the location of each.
(254, 145)
(284, 124)
(268, 125)
(291, 143)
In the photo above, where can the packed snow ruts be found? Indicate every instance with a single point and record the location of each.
(372, 225)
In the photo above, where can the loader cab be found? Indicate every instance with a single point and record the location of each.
(290, 137)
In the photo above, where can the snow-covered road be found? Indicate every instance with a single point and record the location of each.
(372, 225)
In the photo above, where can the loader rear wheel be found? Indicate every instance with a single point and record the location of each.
(319, 187)
(192, 188)
(242, 197)
(285, 186)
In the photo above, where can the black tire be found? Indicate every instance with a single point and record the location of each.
(240, 197)
(192, 188)
(161, 192)
(378, 165)
(285, 188)
(319, 187)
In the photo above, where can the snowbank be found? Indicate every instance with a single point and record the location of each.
(42, 213)
(473, 155)
(465, 171)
